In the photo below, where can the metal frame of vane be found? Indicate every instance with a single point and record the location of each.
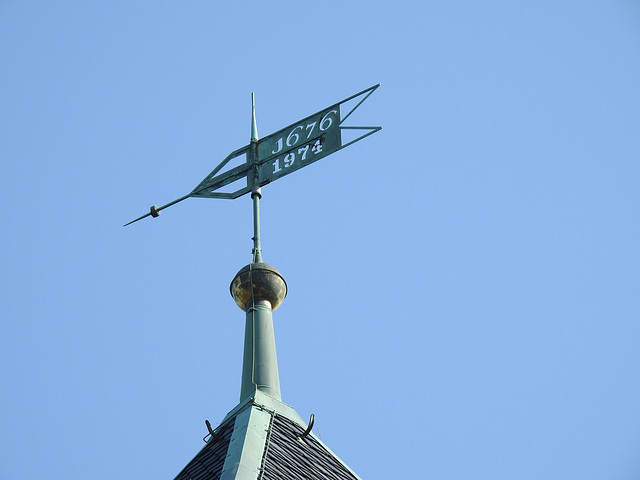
(285, 151)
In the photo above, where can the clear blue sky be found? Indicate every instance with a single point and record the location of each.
(463, 286)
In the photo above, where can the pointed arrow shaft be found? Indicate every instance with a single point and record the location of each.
(156, 210)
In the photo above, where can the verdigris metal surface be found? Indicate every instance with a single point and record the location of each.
(259, 359)
(246, 447)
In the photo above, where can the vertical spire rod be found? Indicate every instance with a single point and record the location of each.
(257, 248)
(256, 194)
(254, 126)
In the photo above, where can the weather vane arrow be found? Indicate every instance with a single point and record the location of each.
(285, 151)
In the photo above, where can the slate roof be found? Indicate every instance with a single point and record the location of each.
(207, 465)
(288, 458)
(258, 442)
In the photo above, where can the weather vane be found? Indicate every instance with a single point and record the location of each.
(285, 151)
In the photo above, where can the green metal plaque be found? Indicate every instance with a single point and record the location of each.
(298, 145)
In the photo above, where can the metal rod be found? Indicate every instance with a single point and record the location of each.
(211, 433)
(308, 430)
(155, 211)
(256, 194)
(254, 125)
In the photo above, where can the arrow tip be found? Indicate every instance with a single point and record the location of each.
(154, 211)
(254, 126)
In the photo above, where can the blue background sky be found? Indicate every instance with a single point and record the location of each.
(463, 286)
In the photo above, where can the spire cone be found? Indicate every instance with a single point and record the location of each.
(258, 290)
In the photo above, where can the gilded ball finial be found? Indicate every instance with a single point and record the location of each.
(258, 282)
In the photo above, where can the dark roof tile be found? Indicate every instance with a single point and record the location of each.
(208, 463)
(289, 458)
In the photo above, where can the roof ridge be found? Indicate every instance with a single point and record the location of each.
(266, 445)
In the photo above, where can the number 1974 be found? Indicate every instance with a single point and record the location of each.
(290, 158)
